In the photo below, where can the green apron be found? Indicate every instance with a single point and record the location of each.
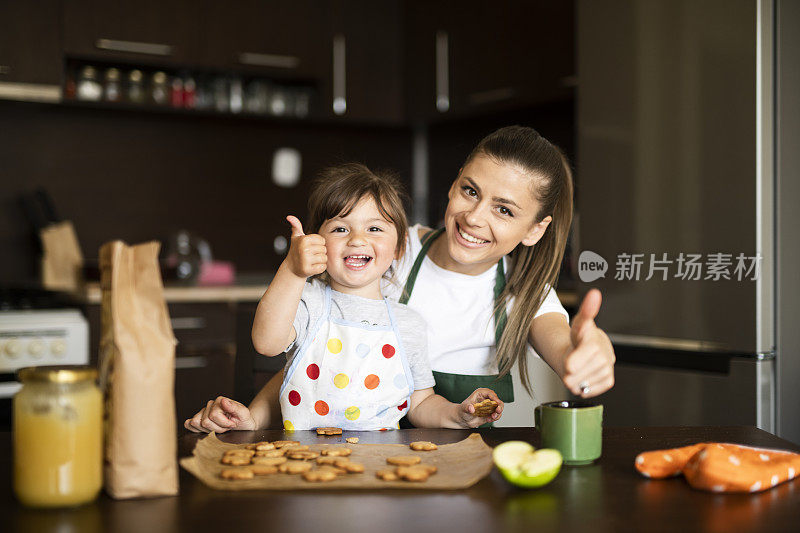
(456, 387)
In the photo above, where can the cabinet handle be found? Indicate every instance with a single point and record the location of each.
(493, 95)
(193, 361)
(188, 322)
(134, 47)
(442, 72)
(268, 60)
(339, 75)
(5, 69)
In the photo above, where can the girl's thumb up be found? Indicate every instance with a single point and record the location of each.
(297, 226)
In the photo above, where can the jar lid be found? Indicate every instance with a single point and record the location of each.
(57, 374)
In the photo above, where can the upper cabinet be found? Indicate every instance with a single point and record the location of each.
(30, 49)
(479, 57)
(142, 32)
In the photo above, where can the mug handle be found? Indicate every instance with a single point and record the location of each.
(537, 417)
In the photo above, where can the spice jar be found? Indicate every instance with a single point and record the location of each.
(135, 87)
(113, 89)
(58, 436)
(159, 94)
(88, 86)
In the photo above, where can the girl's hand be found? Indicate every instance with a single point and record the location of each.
(307, 253)
(221, 415)
(467, 410)
(589, 364)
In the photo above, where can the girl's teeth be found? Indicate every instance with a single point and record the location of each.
(470, 238)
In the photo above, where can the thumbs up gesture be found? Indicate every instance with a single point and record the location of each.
(307, 253)
(589, 365)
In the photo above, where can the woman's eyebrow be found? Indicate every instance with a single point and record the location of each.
(497, 199)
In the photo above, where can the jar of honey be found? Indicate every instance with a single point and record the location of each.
(58, 436)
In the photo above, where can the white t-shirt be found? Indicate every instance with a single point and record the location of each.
(458, 309)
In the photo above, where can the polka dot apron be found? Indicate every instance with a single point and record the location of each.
(349, 375)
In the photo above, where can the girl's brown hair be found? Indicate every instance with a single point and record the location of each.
(338, 189)
(535, 268)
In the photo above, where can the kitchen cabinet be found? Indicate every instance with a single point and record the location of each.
(146, 32)
(30, 47)
(486, 57)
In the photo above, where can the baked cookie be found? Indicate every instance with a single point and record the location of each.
(350, 467)
(271, 453)
(282, 443)
(337, 452)
(319, 475)
(261, 446)
(352, 440)
(263, 470)
(386, 475)
(295, 447)
(302, 455)
(295, 467)
(330, 459)
(332, 468)
(270, 461)
(413, 473)
(240, 451)
(485, 408)
(423, 446)
(236, 473)
(329, 431)
(404, 460)
(235, 459)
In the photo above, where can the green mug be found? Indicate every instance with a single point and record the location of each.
(574, 428)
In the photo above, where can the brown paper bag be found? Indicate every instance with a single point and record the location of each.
(62, 260)
(137, 358)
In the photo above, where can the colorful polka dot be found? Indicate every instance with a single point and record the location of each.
(294, 397)
(334, 345)
(372, 381)
(402, 405)
(321, 408)
(387, 350)
(352, 413)
(362, 350)
(312, 371)
(341, 380)
(288, 426)
(400, 381)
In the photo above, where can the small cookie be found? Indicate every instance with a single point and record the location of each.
(352, 440)
(337, 452)
(235, 460)
(295, 448)
(319, 475)
(404, 460)
(282, 443)
(386, 475)
(240, 451)
(263, 470)
(302, 455)
(330, 459)
(350, 467)
(236, 473)
(271, 453)
(261, 446)
(295, 467)
(332, 468)
(270, 461)
(484, 408)
(423, 446)
(329, 431)
(413, 473)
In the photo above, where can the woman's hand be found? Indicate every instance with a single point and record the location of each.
(589, 364)
(221, 415)
(307, 254)
(467, 409)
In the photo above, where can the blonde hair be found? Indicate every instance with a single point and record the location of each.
(338, 189)
(535, 268)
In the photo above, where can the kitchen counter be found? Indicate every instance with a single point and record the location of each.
(606, 496)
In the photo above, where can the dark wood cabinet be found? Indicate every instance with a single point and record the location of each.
(145, 32)
(30, 42)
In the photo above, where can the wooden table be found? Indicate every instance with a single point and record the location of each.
(606, 496)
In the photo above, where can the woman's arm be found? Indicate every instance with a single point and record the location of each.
(581, 354)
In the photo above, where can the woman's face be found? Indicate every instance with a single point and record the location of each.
(491, 210)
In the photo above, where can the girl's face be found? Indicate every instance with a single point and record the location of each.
(491, 210)
(360, 249)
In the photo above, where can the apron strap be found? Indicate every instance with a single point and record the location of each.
(412, 275)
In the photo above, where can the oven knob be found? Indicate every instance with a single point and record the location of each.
(36, 348)
(13, 348)
(58, 347)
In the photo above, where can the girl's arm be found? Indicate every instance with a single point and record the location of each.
(429, 410)
(581, 354)
(272, 326)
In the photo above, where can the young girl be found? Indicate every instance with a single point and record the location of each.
(355, 360)
(484, 282)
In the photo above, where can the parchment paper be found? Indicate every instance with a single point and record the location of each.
(461, 465)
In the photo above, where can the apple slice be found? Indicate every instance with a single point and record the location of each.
(524, 467)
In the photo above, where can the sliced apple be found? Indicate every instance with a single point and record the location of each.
(524, 466)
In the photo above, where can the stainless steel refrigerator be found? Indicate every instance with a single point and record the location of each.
(675, 169)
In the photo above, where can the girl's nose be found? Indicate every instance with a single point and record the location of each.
(356, 239)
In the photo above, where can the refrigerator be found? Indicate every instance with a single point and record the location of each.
(676, 221)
